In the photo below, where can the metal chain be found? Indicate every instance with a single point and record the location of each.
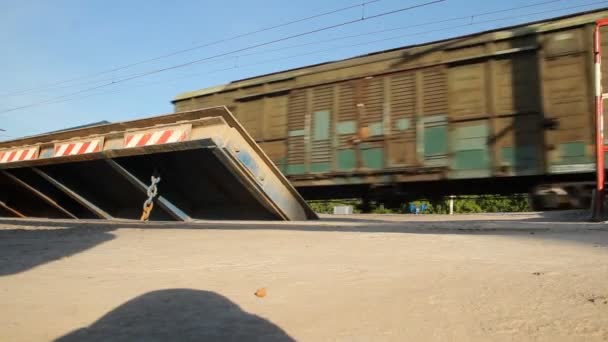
(149, 204)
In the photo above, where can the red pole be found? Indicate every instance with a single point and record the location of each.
(598, 210)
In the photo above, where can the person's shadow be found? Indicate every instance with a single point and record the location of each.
(179, 315)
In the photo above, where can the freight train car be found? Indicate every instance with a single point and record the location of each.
(502, 111)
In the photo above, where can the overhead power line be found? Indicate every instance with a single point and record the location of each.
(421, 33)
(84, 83)
(196, 61)
(477, 15)
(401, 28)
(197, 47)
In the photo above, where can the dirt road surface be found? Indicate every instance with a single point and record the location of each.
(527, 277)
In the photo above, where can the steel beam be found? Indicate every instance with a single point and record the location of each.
(164, 203)
(92, 207)
(12, 210)
(38, 193)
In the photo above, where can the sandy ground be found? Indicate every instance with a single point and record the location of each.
(531, 277)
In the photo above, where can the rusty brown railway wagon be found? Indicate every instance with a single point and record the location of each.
(502, 111)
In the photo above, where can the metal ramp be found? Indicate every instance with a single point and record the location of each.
(209, 168)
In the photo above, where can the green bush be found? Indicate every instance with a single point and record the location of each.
(462, 204)
(380, 209)
(327, 207)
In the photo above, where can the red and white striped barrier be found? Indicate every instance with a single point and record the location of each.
(20, 154)
(164, 136)
(78, 147)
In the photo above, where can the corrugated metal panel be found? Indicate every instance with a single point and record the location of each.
(346, 127)
(506, 83)
(372, 123)
(434, 91)
(296, 123)
(402, 142)
(467, 91)
(432, 130)
(373, 100)
(347, 108)
(321, 151)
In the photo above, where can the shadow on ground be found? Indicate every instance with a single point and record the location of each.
(22, 249)
(179, 315)
(27, 243)
(558, 221)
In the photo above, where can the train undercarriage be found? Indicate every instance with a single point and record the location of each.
(572, 191)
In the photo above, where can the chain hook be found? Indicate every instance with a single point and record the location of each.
(152, 191)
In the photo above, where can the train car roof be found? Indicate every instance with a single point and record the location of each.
(555, 23)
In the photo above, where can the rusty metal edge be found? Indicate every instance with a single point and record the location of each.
(232, 121)
(245, 177)
(12, 210)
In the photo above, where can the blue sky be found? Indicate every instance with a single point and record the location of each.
(45, 42)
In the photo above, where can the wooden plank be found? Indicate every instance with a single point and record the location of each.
(321, 129)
